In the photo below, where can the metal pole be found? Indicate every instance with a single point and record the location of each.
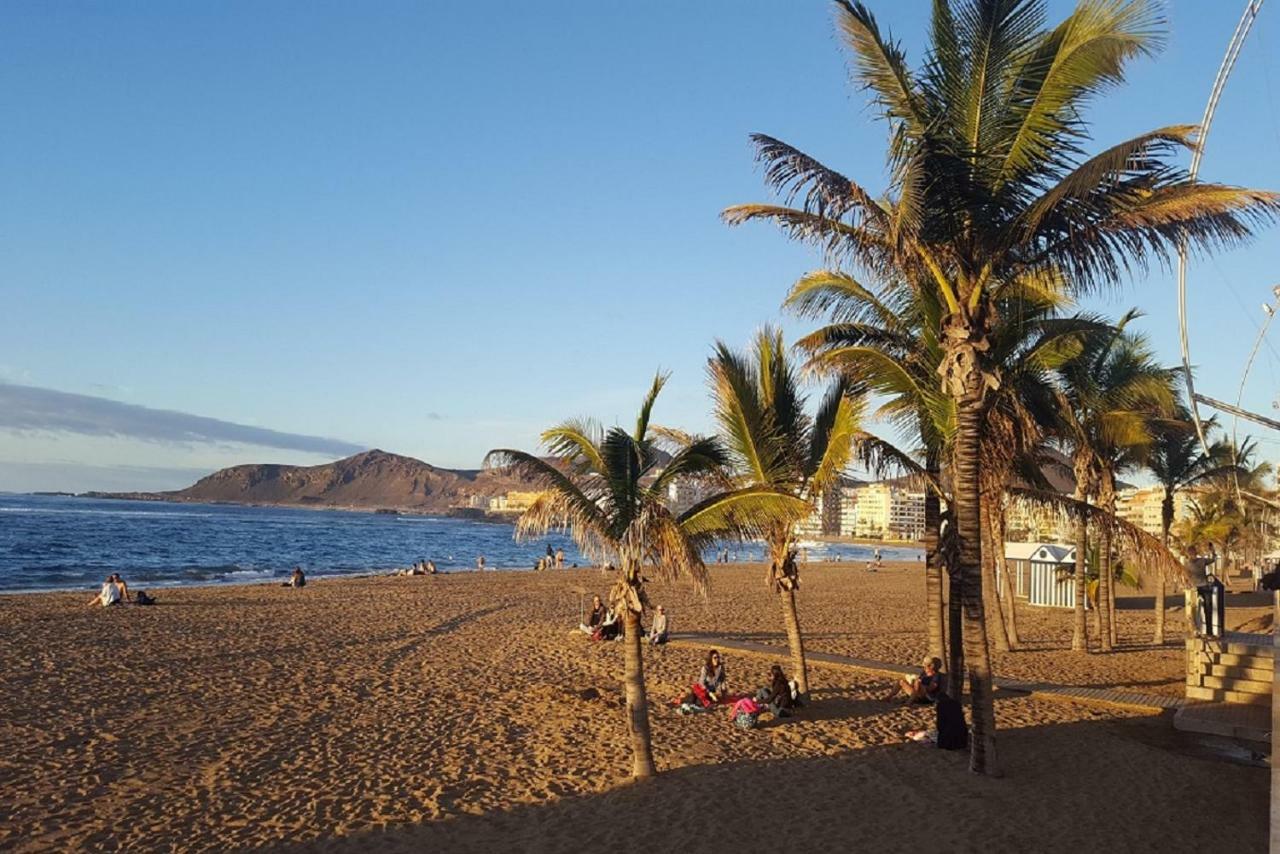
(1219, 83)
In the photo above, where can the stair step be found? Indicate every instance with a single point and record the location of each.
(1255, 674)
(1242, 686)
(1253, 662)
(1217, 695)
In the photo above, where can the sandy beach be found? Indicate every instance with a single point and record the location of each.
(461, 713)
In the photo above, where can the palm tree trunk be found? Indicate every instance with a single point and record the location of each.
(1113, 617)
(933, 572)
(1166, 522)
(996, 628)
(1106, 502)
(1080, 628)
(799, 667)
(1006, 583)
(637, 702)
(955, 633)
(968, 515)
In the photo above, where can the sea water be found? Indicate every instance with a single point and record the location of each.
(62, 542)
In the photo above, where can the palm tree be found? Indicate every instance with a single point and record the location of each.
(609, 488)
(1178, 462)
(990, 182)
(888, 347)
(774, 444)
(1113, 397)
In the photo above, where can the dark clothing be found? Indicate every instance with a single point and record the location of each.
(597, 616)
(930, 685)
(712, 681)
(953, 732)
(780, 693)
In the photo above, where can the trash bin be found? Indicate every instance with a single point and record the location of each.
(1212, 608)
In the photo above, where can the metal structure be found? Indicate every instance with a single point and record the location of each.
(1252, 7)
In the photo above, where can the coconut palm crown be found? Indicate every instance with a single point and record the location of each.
(991, 183)
(773, 443)
(608, 488)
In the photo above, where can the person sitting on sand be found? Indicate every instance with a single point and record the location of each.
(712, 678)
(124, 588)
(611, 628)
(108, 595)
(596, 617)
(777, 694)
(297, 579)
(431, 567)
(658, 631)
(923, 688)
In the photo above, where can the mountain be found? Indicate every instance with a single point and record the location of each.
(370, 480)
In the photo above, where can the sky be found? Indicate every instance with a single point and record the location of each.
(277, 232)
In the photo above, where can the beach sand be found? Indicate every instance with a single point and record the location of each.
(461, 713)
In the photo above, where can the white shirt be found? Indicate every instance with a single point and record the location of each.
(110, 594)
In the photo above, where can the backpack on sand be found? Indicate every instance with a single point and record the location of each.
(953, 731)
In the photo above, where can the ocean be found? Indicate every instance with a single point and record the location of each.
(66, 543)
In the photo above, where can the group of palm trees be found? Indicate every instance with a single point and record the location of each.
(949, 306)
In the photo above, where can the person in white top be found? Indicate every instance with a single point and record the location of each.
(658, 631)
(109, 595)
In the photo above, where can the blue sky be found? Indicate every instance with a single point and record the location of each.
(436, 228)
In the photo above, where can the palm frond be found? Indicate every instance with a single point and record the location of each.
(836, 427)
(646, 408)
(576, 441)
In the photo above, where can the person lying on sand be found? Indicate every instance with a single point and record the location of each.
(658, 632)
(108, 595)
(596, 617)
(923, 688)
(777, 694)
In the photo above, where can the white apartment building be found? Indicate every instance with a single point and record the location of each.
(1143, 507)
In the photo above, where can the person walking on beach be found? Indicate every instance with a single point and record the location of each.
(559, 558)
(480, 564)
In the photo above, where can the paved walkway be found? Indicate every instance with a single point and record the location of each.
(1106, 696)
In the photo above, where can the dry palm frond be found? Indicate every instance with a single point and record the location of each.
(1139, 545)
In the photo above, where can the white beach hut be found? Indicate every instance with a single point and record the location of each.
(1042, 573)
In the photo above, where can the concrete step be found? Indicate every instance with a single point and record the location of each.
(1230, 720)
(1241, 686)
(1252, 662)
(1218, 695)
(1216, 647)
(1255, 674)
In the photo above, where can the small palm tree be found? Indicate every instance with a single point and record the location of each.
(1179, 462)
(1113, 397)
(774, 444)
(608, 488)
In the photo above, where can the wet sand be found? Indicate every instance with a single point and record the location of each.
(461, 713)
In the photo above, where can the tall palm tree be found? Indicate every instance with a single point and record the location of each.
(609, 489)
(1178, 461)
(774, 444)
(990, 181)
(1114, 396)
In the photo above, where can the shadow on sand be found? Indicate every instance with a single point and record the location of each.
(1122, 775)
